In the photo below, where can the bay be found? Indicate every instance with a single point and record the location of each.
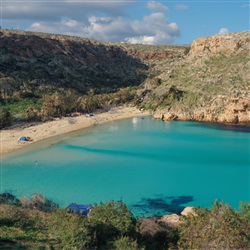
(155, 167)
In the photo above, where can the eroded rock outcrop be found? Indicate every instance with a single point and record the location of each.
(172, 220)
(234, 111)
(175, 220)
(226, 44)
(187, 211)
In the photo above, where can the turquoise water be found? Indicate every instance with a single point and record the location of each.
(155, 167)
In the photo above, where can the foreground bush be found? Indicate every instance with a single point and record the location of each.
(154, 235)
(111, 220)
(15, 216)
(7, 198)
(69, 231)
(37, 201)
(125, 243)
(220, 228)
(34, 225)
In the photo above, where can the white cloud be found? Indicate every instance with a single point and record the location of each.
(247, 5)
(223, 31)
(181, 6)
(101, 20)
(62, 27)
(153, 29)
(106, 28)
(71, 23)
(140, 40)
(36, 25)
(100, 28)
(158, 7)
(37, 10)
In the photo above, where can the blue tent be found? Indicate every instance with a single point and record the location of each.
(79, 208)
(23, 138)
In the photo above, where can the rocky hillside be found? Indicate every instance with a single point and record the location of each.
(209, 82)
(212, 83)
(38, 60)
(61, 61)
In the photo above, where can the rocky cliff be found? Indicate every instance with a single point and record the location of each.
(226, 44)
(211, 83)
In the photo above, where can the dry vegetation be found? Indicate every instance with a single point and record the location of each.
(37, 223)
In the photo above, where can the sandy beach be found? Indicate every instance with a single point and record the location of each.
(38, 131)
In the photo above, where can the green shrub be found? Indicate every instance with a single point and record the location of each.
(112, 226)
(69, 231)
(5, 117)
(125, 95)
(220, 228)
(7, 198)
(26, 109)
(111, 220)
(37, 201)
(244, 210)
(125, 243)
(15, 216)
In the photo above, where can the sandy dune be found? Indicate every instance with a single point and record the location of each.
(38, 131)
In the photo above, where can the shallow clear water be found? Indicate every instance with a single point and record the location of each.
(155, 167)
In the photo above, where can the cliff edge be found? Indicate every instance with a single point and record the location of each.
(226, 44)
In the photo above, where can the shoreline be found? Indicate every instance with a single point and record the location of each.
(59, 127)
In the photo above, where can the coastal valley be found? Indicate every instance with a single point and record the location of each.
(56, 85)
(45, 75)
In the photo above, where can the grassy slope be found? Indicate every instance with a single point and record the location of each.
(205, 84)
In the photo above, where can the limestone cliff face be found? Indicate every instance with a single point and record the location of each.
(235, 112)
(222, 109)
(155, 53)
(212, 83)
(226, 44)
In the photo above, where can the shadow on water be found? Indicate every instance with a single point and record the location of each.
(160, 205)
(147, 155)
(234, 128)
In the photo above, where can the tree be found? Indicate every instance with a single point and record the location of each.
(125, 95)
(5, 117)
(90, 102)
(32, 114)
(6, 87)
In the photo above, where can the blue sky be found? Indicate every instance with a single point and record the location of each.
(131, 21)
